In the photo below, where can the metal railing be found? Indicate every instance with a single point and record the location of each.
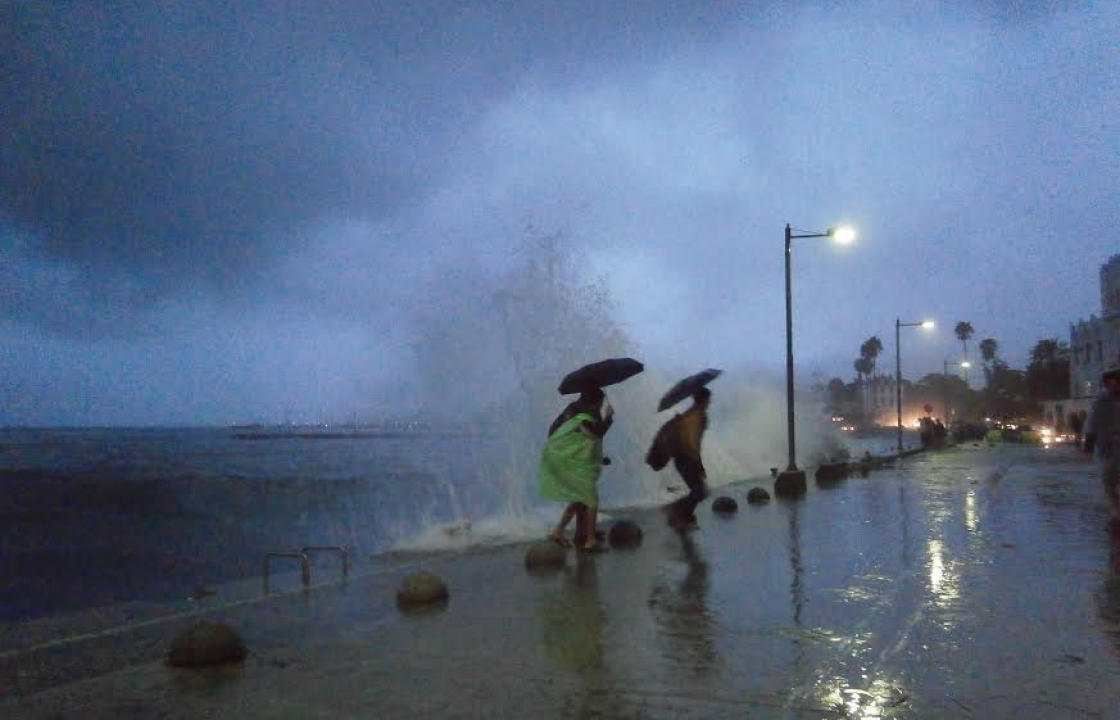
(304, 566)
(305, 563)
(341, 551)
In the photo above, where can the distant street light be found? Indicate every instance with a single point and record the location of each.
(945, 384)
(925, 325)
(843, 236)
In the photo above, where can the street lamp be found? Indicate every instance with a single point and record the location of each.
(843, 236)
(945, 384)
(925, 325)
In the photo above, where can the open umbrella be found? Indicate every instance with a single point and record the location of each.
(686, 387)
(600, 374)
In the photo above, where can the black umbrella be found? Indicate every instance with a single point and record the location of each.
(600, 374)
(686, 387)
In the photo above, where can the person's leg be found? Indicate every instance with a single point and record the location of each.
(681, 512)
(693, 473)
(581, 524)
(589, 516)
(590, 540)
(1110, 477)
(557, 535)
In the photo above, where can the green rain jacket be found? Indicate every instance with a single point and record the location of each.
(571, 462)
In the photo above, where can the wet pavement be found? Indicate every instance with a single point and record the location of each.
(975, 582)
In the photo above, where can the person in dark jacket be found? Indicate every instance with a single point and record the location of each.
(680, 439)
(1102, 434)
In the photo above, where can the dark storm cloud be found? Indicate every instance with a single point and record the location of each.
(232, 211)
(178, 144)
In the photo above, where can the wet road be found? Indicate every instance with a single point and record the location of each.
(977, 582)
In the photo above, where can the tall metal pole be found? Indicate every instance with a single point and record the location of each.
(898, 380)
(789, 360)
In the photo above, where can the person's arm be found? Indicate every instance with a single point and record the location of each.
(599, 428)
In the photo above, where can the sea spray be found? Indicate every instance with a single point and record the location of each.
(491, 349)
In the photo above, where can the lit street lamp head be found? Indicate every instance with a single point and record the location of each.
(928, 324)
(843, 235)
(966, 364)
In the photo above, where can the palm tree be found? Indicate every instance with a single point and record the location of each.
(863, 367)
(988, 349)
(964, 332)
(870, 349)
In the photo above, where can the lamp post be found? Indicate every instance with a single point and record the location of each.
(793, 479)
(926, 324)
(945, 384)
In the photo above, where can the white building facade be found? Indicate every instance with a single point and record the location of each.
(1094, 347)
(1094, 344)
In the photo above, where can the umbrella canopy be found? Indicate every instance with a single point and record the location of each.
(686, 387)
(600, 374)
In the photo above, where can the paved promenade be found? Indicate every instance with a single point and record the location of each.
(975, 582)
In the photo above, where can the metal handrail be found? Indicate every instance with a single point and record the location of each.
(335, 549)
(304, 566)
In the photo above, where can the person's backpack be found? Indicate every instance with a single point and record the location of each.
(664, 443)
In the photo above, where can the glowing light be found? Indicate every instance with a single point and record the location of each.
(943, 582)
(936, 567)
(970, 510)
(843, 235)
(966, 364)
(928, 324)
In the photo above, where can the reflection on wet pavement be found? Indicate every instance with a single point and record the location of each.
(970, 583)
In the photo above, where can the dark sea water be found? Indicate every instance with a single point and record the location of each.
(92, 517)
(98, 516)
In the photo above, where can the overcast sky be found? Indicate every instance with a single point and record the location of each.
(223, 212)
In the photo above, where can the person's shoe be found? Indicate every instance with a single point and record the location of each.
(559, 539)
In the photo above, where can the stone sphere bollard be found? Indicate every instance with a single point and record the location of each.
(790, 484)
(545, 555)
(724, 505)
(757, 496)
(206, 643)
(625, 534)
(420, 589)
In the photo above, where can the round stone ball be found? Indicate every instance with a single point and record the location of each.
(724, 505)
(206, 643)
(420, 589)
(545, 555)
(757, 496)
(625, 534)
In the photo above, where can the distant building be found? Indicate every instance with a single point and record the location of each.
(1094, 344)
(881, 396)
(1094, 347)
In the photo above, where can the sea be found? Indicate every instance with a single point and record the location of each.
(100, 516)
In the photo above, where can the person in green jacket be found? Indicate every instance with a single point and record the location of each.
(571, 462)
